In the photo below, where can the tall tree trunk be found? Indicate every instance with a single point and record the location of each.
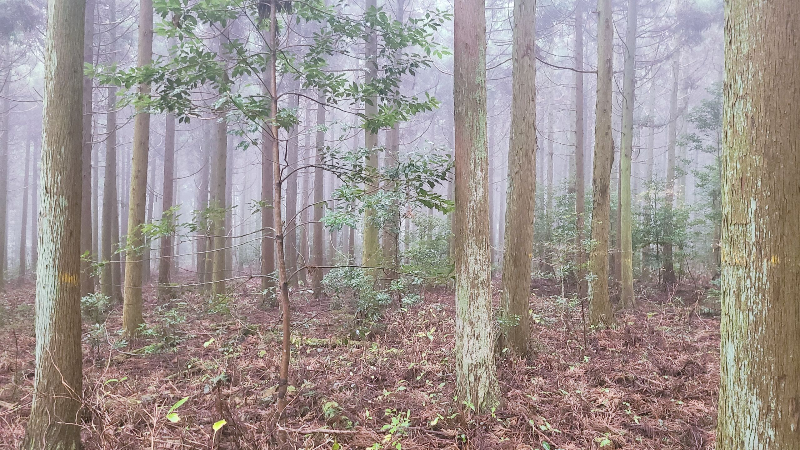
(87, 280)
(476, 375)
(391, 232)
(267, 201)
(521, 197)
(580, 177)
(219, 161)
(626, 152)
(650, 158)
(549, 196)
(242, 220)
(124, 208)
(229, 207)
(165, 260)
(95, 202)
(333, 237)
(202, 207)
(35, 205)
(108, 282)
(318, 248)
(55, 417)
(672, 137)
(304, 215)
(371, 251)
(759, 406)
(95, 199)
(147, 256)
(600, 312)
(23, 231)
(277, 217)
(132, 308)
(291, 195)
(5, 130)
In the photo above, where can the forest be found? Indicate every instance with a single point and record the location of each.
(399, 224)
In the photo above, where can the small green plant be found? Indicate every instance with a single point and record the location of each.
(95, 308)
(172, 416)
(397, 428)
(427, 252)
(355, 286)
(219, 304)
(166, 332)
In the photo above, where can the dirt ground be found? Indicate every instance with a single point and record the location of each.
(649, 383)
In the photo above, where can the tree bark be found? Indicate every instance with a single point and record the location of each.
(391, 232)
(291, 195)
(626, 152)
(219, 161)
(202, 208)
(35, 205)
(96, 213)
(759, 405)
(600, 312)
(476, 375)
(306, 187)
(5, 130)
(87, 280)
(165, 260)
(23, 231)
(231, 162)
(521, 197)
(267, 233)
(277, 217)
(317, 247)
(147, 256)
(549, 192)
(650, 158)
(672, 137)
(108, 282)
(371, 251)
(132, 308)
(54, 421)
(580, 177)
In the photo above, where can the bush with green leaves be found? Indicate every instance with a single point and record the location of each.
(426, 258)
(355, 286)
(95, 307)
(166, 332)
(651, 229)
(555, 231)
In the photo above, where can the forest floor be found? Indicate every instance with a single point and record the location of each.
(648, 383)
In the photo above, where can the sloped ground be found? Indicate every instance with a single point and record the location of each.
(650, 383)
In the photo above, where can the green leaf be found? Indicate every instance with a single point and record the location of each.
(173, 417)
(177, 405)
(219, 424)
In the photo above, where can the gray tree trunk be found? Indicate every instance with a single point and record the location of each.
(4, 136)
(317, 253)
(165, 259)
(476, 375)
(87, 280)
(132, 308)
(55, 418)
(580, 176)
(291, 195)
(672, 138)
(626, 152)
(23, 230)
(371, 250)
(521, 198)
(600, 312)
